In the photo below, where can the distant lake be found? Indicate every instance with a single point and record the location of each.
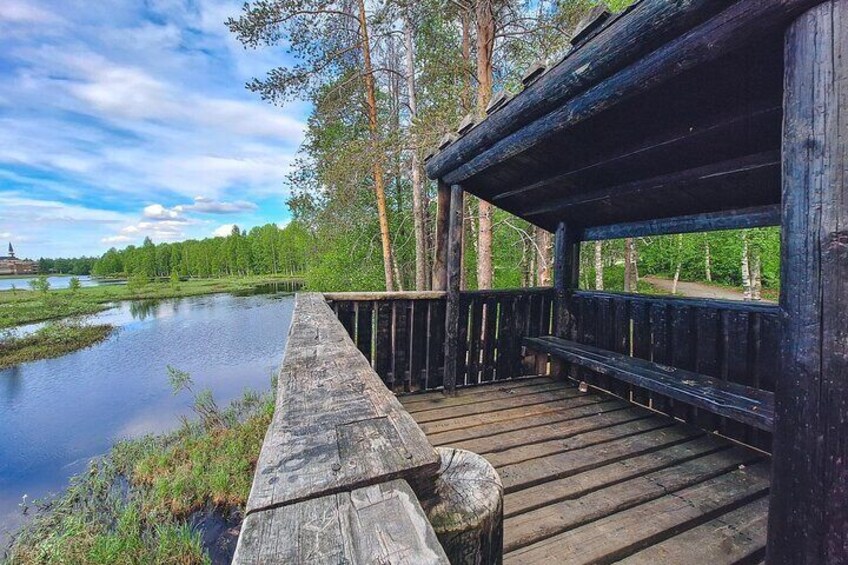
(56, 414)
(58, 281)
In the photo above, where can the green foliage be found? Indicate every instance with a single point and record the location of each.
(74, 285)
(135, 505)
(264, 250)
(53, 340)
(74, 266)
(40, 284)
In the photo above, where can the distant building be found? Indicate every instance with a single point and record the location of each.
(11, 265)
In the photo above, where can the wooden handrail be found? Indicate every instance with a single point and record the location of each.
(408, 295)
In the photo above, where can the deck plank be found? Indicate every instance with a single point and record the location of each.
(578, 485)
(738, 536)
(552, 431)
(623, 533)
(550, 520)
(415, 402)
(489, 406)
(590, 478)
(512, 414)
(568, 443)
(493, 428)
(532, 472)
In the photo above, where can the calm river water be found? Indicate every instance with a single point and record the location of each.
(55, 415)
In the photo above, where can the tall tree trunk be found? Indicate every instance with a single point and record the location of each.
(679, 263)
(599, 265)
(628, 265)
(485, 48)
(543, 259)
(468, 229)
(708, 260)
(379, 188)
(746, 268)
(418, 195)
(756, 276)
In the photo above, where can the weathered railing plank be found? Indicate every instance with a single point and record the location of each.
(336, 426)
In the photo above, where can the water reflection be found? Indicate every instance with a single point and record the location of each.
(58, 413)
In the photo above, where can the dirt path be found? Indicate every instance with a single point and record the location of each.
(697, 290)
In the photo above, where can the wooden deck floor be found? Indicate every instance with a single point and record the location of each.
(593, 479)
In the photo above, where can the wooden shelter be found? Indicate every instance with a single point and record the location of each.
(674, 116)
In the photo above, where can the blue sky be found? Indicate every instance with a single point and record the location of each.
(121, 119)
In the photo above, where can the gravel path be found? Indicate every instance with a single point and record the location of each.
(697, 290)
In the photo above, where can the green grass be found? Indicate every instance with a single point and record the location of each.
(53, 340)
(133, 505)
(19, 307)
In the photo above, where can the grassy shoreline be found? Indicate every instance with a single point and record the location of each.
(141, 502)
(53, 340)
(19, 307)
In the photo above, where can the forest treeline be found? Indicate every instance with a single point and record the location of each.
(263, 250)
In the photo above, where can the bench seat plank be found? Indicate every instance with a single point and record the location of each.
(376, 524)
(738, 402)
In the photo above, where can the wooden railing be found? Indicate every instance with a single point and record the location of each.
(402, 334)
(733, 341)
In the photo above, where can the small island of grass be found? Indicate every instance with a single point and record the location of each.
(53, 340)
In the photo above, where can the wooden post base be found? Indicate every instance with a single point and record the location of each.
(465, 508)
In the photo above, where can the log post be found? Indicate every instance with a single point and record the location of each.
(454, 274)
(566, 281)
(465, 508)
(808, 515)
(440, 260)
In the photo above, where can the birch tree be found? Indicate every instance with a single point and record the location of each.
(330, 39)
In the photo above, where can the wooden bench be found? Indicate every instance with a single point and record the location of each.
(341, 460)
(738, 402)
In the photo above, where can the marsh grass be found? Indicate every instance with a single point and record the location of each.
(19, 307)
(53, 340)
(135, 505)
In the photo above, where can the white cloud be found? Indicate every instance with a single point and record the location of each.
(157, 212)
(223, 230)
(206, 205)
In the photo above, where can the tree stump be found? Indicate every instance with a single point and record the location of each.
(465, 508)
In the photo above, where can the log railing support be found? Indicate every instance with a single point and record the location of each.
(454, 273)
(808, 515)
(440, 260)
(566, 281)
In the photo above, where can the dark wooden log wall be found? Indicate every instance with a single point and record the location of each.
(808, 518)
(404, 338)
(737, 342)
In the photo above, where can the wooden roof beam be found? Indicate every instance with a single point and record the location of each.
(721, 171)
(742, 23)
(685, 134)
(756, 217)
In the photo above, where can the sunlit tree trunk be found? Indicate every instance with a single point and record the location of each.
(485, 49)
(746, 268)
(679, 263)
(418, 195)
(628, 265)
(543, 259)
(379, 188)
(599, 265)
(708, 260)
(468, 229)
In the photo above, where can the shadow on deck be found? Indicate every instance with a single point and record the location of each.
(589, 478)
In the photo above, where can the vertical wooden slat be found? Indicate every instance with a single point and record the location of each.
(462, 340)
(383, 343)
(452, 309)
(659, 348)
(347, 316)
(400, 357)
(489, 338)
(640, 343)
(504, 340)
(707, 356)
(418, 344)
(682, 351)
(436, 344)
(621, 338)
(364, 329)
(474, 340)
